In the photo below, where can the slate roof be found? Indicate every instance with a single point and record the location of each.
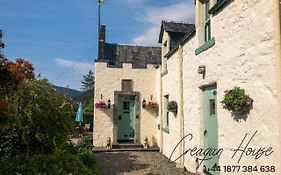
(139, 56)
(174, 27)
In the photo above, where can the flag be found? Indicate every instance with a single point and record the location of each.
(101, 1)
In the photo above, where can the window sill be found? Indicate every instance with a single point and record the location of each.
(205, 46)
(218, 6)
(164, 73)
(166, 130)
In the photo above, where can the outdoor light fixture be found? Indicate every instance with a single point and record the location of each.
(109, 104)
(202, 70)
(143, 103)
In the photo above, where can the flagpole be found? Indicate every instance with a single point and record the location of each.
(99, 14)
(98, 20)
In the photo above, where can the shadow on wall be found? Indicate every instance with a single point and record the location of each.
(152, 111)
(107, 111)
(239, 116)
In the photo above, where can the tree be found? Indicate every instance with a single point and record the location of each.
(87, 96)
(88, 83)
(40, 119)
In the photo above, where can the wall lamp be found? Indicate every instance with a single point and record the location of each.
(109, 103)
(143, 103)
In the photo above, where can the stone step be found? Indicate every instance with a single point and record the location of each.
(126, 145)
(103, 149)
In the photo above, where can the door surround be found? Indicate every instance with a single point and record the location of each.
(137, 113)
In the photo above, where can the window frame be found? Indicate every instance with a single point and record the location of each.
(166, 114)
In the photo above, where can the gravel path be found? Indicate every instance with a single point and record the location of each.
(137, 163)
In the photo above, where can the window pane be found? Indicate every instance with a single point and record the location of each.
(126, 105)
(127, 85)
(207, 31)
(207, 8)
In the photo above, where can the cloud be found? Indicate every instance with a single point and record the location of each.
(75, 65)
(179, 12)
(149, 37)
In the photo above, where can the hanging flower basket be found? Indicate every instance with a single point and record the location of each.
(236, 100)
(101, 104)
(173, 107)
(153, 104)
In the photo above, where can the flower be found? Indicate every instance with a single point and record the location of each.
(237, 100)
(249, 101)
(100, 104)
(152, 104)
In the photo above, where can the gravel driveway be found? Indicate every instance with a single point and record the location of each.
(136, 162)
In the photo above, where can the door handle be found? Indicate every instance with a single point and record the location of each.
(119, 117)
(205, 133)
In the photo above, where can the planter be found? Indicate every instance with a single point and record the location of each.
(237, 101)
(173, 107)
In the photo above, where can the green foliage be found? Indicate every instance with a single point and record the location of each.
(40, 119)
(57, 163)
(88, 83)
(173, 106)
(237, 100)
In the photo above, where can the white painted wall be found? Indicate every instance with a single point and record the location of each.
(242, 56)
(108, 80)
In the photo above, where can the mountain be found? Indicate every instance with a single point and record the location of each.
(72, 93)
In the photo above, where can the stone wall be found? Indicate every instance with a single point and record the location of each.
(107, 81)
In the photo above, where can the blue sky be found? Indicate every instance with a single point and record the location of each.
(60, 36)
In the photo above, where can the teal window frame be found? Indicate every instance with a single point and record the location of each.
(207, 20)
(166, 114)
(164, 61)
(207, 39)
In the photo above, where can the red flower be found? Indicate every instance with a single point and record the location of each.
(249, 101)
(101, 104)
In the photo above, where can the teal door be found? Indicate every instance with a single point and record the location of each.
(126, 118)
(210, 132)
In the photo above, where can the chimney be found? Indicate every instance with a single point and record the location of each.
(101, 42)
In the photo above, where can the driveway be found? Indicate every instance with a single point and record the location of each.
(137, 163)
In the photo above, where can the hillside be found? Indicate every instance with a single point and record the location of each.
(72, 93)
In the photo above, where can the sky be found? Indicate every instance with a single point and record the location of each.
(60, 36)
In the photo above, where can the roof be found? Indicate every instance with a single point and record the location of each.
(139, 56)
(173, 27)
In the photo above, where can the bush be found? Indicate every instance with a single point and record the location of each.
(39, 120)
(57, 163)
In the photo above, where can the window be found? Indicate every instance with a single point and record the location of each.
(205, 33)
(165, 114)
(127, 85)
(206, 20)
(164, 60)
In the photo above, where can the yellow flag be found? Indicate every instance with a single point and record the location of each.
(101, 1)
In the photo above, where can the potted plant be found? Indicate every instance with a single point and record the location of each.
(237, 101)
(152, 104)
(173, 106)
(100, 104)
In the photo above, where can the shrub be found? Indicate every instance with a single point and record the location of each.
(56, 163)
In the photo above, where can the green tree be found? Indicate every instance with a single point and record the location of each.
(40, 120)
(87, 96)
(88, 82)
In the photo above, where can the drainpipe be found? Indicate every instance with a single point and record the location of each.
(277, 39)
(180, 106)
(161, 113)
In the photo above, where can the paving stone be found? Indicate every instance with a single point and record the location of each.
(137, 163)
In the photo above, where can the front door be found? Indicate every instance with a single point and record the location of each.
(210, 132)
(126, 118)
